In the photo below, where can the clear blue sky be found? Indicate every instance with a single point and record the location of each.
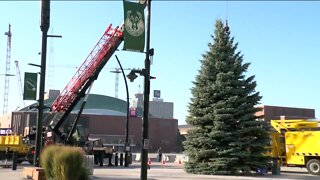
(280, 39)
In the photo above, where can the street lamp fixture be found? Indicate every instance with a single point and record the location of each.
(127, 144)
(7, 74)
(54, 36)
(132, 75)
(37, 65)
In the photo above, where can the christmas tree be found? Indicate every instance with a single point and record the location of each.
(225, 135)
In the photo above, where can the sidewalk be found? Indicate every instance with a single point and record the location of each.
(168, 171)
(173, 171)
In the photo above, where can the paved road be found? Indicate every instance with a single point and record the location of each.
(169, 171)
(175, 172)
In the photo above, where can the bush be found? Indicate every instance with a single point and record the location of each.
(63, 163)
(46, 160)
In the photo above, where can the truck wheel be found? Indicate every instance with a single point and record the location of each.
(313, 166)
(20, 161)
(101, 159)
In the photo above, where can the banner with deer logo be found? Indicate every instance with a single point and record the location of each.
(30, 86)
(134, 26)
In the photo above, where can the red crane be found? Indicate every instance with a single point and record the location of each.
(86, 74)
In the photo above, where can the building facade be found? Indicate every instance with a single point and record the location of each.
(268, 113)
(103, 116)
(157, 107)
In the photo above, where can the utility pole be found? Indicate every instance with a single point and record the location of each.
(6, 83)
(145, 123)
(45, 23)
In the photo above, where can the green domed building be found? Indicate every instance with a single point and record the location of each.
(104, 117)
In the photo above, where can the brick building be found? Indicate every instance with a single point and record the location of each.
(275, 112)
(104, 116)
(268, 113)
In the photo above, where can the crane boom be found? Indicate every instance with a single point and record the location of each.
(84, 77)
(6, 83)
(19, 82)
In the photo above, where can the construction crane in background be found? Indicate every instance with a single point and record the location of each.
(6, 83)
(19, 82)
(116, 85)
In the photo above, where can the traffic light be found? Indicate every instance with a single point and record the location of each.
(132, 76)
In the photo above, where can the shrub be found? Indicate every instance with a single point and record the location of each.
(65, 163)
(46, 160)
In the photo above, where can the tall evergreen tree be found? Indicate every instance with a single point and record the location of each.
(225, 135)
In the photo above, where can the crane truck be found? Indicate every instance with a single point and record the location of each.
(78, 89)
(296, 143)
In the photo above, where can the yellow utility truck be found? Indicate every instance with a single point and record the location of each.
(296, 143)
(17, 144)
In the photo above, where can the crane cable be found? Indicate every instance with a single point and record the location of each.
(227, 26)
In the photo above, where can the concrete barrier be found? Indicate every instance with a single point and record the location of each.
(182, 158)
(89, 163)
(137, 157)
(170, 158)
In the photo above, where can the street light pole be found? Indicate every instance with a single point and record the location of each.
(127, 144)
(145, 125)
(45, 23)
(7, 75)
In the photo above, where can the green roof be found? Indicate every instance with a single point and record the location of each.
(94, 101)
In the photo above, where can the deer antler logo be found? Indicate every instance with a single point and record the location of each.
(134, 23)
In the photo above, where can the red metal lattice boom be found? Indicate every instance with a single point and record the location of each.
(109, 39)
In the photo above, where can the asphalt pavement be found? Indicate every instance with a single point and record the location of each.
(159, 171)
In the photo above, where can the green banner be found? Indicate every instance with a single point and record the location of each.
(134, 26)
(30, 86)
